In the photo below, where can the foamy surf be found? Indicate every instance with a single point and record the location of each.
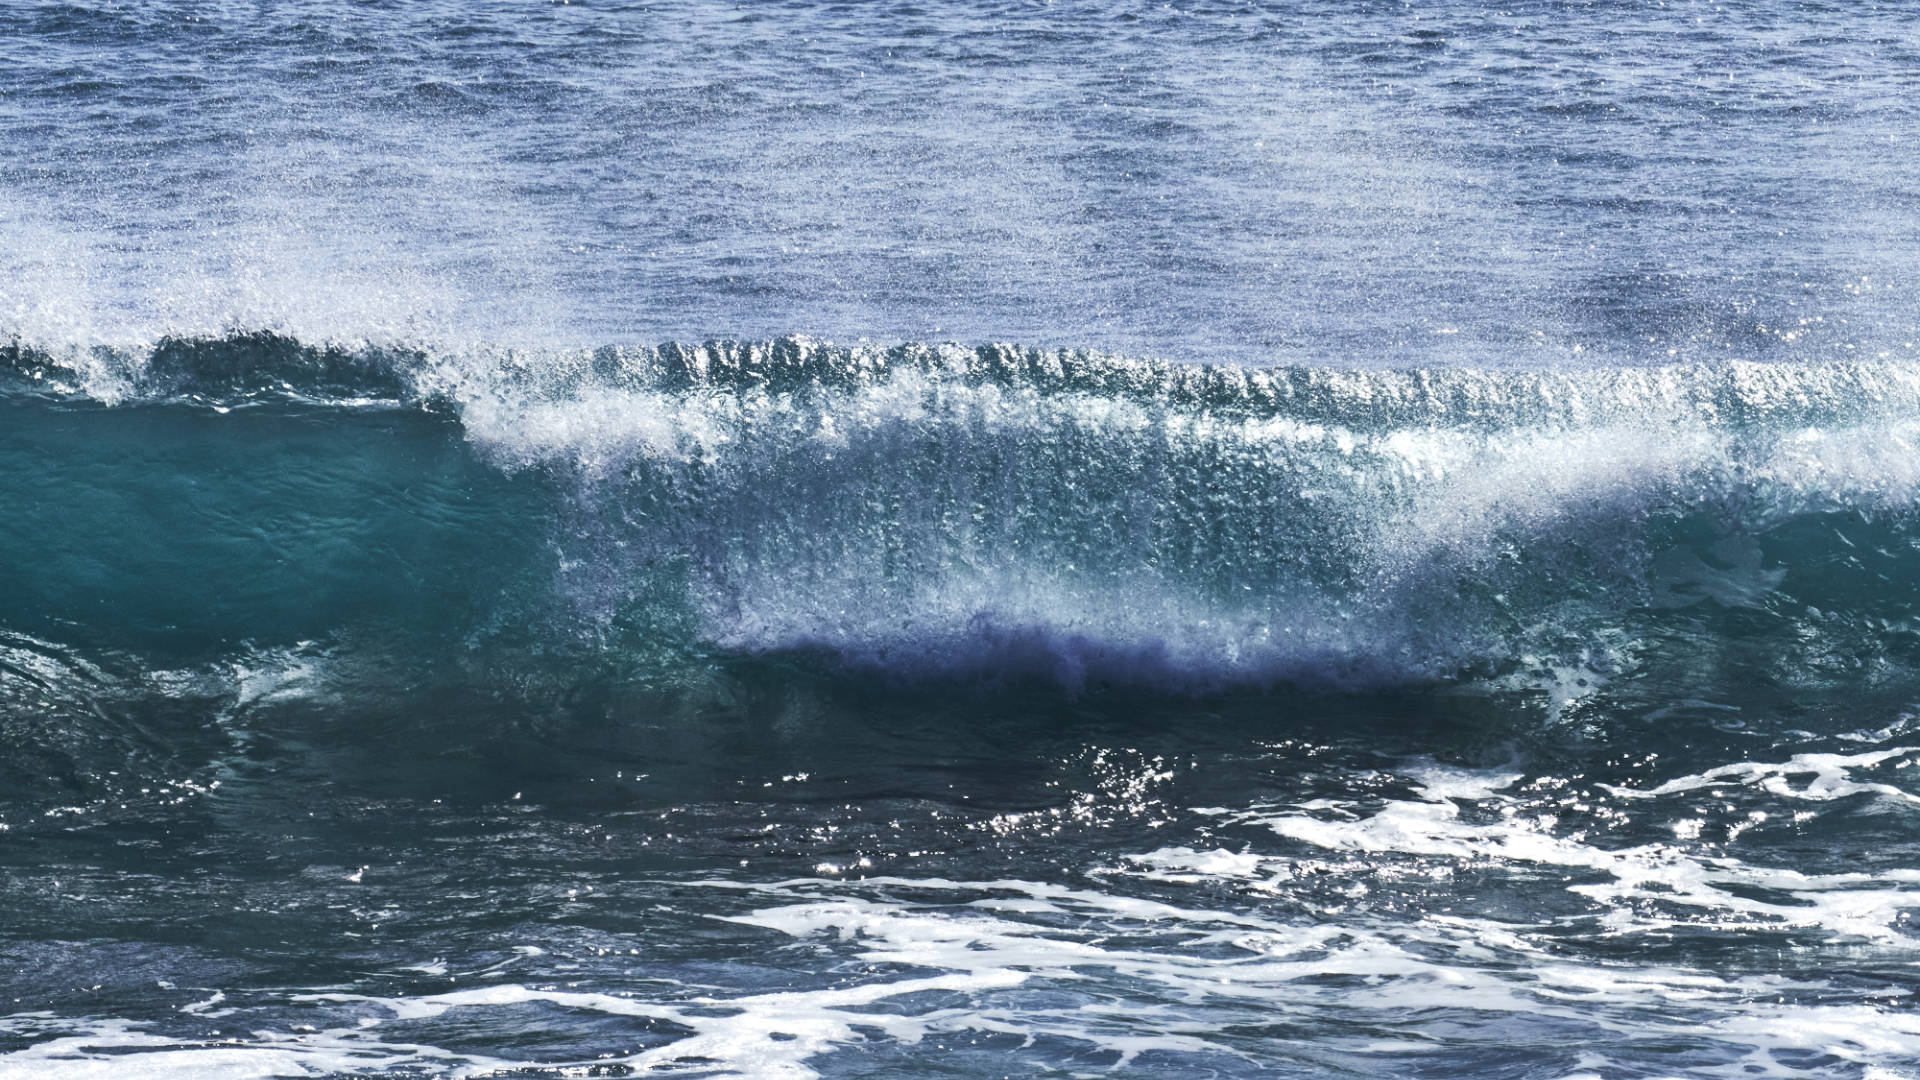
(1184, 959)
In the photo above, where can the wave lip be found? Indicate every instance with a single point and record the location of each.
(260, 362)
(236, 367)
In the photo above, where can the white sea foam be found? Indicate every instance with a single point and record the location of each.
(103, 1049)
(1650, 887)
(1190, 971)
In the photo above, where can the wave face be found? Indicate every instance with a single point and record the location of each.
(934, 511)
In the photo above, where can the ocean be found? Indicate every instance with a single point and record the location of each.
(1019, 539)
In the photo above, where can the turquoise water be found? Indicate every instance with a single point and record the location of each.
(520, 554)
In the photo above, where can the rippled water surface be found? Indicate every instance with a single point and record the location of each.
(1310, 182)
(520, 554)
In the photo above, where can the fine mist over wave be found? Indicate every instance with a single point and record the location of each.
(926, 511)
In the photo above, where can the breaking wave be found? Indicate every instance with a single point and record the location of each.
(928, 511)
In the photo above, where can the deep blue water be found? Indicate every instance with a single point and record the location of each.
(1018, 540)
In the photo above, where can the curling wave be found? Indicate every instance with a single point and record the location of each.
(935, 510)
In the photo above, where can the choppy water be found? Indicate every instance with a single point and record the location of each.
(1432, 594)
